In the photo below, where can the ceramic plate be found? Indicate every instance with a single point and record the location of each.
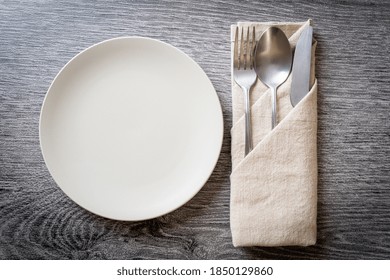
(131, 128)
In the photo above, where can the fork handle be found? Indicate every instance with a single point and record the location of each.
(248, 123)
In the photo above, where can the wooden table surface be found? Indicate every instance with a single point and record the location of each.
(37, 221)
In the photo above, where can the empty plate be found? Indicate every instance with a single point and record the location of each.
(131, 128)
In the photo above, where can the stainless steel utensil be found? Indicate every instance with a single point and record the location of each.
(244, 74)
(300, 78)
(273, 59)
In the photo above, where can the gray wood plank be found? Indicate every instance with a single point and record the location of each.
(37, 221)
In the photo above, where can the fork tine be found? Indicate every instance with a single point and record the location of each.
(241, 57)
(247, 51)
(252, 50)
(235, 51)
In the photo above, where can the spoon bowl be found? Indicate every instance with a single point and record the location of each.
(273, 60)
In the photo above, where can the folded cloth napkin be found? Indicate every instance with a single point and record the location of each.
(274, 188)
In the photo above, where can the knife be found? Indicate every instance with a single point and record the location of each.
(301, 66)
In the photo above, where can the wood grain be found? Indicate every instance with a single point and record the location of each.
(37, 221)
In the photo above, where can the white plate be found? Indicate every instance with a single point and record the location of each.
(131, 128)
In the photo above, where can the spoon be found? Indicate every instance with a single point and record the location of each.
(273, 60)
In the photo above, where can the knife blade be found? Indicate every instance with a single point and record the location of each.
(300, 78)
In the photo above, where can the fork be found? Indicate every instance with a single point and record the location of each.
(244, 75)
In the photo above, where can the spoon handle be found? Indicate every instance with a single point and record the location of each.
(273, 90)
(248, 125)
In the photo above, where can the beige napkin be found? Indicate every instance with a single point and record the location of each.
(274, 188)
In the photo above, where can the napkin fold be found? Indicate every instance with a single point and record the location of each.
(274, 188)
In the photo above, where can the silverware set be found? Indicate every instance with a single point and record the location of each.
(271, 60)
